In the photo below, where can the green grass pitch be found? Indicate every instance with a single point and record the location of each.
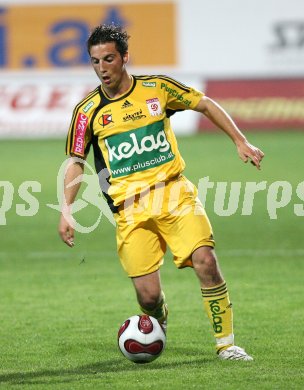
(60, 308)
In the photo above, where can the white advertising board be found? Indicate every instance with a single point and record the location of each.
(237, 38)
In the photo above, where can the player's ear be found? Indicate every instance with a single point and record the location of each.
(125, 58)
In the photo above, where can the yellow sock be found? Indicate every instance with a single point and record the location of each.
(160, 312)
(219, 310)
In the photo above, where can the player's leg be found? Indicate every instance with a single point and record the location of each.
(215, 296)
(141, 251)
(190, 238)
(150, 296)
(217, 303)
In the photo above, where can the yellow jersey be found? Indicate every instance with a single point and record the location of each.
(133, 142)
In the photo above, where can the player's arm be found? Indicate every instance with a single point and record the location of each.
(221, 119)
(65, 228)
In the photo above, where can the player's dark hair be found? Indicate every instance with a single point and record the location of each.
(109, 33)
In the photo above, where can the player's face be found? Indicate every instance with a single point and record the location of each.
(108, 65)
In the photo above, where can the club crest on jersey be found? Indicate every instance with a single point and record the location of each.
(105, 119)
(154, 106)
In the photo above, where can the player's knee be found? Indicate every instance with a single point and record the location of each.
(204, 257)
(149, 300)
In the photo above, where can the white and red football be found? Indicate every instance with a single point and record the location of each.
(141, 339)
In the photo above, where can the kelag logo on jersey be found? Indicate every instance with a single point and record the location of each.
(138, 150)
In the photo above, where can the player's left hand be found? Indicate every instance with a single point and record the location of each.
(248, 152)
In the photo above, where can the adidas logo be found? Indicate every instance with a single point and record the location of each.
(127, 104)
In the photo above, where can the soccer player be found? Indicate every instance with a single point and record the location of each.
(126, 120)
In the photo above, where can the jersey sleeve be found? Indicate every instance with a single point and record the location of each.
(79, 135)
(178, 95)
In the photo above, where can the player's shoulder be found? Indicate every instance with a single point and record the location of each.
(162, 81)
(90, 101)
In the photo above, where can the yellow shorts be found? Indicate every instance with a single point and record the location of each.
(170, 214)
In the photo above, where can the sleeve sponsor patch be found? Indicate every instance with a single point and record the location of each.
(80, 130)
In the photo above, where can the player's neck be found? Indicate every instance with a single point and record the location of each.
(121, 88)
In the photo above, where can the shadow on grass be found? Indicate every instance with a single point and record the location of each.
(95, 370)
